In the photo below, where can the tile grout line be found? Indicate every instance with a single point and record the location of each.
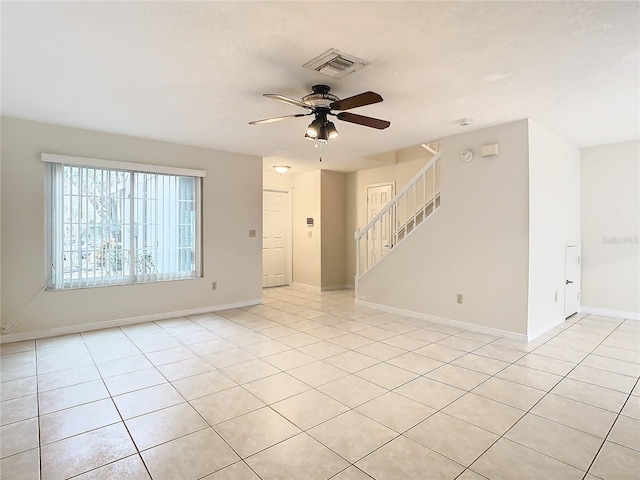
(35, 347)
(185, 401)
(135, 445)
(604, 440)
(139, 452)
(374, 342)
(544, 396)
(423, 375)
(471, 391)
(305, 431)
(402, 434)
(243, 459)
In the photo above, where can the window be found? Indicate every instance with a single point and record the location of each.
(114, 223)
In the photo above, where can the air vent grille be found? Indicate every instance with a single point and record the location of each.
(335, 64)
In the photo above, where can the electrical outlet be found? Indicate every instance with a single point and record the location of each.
(459, 298)
(310, 233)
(214, 285)
(252, 233)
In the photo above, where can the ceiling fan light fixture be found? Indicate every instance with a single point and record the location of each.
(314, 128)
(323, 135)
(332, 133)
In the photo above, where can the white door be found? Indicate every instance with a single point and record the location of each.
(377, 197)
(274, 239)
(572, 280)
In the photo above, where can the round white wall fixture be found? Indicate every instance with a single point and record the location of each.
(466, 156)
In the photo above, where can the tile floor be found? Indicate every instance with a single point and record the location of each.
(310, 386)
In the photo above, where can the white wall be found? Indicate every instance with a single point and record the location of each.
(318, 251)
(306, 249)
(554, 220)
(610, 228)
(274, 181)
(0, 227)
(232, 205)
(333, 190)
(407, 162)
(476, 244)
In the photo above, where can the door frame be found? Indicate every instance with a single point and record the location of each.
(578, 245)
(289, 255)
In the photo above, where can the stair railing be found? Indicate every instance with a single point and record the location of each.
(417, 200)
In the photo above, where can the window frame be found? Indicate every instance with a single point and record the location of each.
(54, 219)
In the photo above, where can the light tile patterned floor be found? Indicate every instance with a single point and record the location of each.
(310, 386)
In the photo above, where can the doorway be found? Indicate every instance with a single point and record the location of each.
(276, 244)
(378, 196)
(572, 280)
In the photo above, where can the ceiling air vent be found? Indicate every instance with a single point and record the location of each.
(335, 64)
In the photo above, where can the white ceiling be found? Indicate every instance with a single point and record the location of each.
(194, 72)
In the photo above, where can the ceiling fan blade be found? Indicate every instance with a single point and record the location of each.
(277, 119)
(366, 98)
(362, 120)
(288, 100)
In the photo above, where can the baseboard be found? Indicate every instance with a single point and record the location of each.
(337, 287)
(86, 327)
(323, 289)
(445, 321)
(531, 336)
(304, 285)
(606, 312)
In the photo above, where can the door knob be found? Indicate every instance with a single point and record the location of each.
(568, 282)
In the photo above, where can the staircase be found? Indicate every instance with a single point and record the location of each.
(417, 200)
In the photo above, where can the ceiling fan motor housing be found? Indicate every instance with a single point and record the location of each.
(320, 97)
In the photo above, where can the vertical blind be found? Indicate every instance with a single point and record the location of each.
(116, 226)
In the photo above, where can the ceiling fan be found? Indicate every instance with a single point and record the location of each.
(321, 104)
